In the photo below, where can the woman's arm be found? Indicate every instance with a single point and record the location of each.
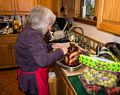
(39, 52)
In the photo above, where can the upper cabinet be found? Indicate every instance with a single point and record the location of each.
(64, 8)
(47, 3)
(6, 7)
(109, 16)
(9, 7)
(24, 6)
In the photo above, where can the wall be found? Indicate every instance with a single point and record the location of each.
(93, 32)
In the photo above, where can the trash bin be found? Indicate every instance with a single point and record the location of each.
(52, 83)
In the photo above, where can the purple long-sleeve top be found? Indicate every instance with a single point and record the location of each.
(32, 52)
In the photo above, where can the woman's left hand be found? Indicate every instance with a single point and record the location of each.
(59, 46)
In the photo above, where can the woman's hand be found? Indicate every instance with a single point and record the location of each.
(59, 46)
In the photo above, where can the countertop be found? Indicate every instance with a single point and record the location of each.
(8, 35)
(73, 81)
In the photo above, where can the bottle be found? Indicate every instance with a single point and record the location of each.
(15, 25)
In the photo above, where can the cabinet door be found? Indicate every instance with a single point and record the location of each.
(24, 6)
(69, 92)
(13, 55)
(54, 7)
(5, 55)
(61, 85)
(6, 7)
(64, 8)
(46, 3)
(109, 16)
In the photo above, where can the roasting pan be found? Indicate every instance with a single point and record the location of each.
(61, 63)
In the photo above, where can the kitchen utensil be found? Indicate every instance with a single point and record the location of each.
(62, 7)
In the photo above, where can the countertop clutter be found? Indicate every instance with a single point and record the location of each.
(79, 86)
(11, 24)
(92, 77)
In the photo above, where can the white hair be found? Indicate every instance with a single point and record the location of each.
(40, 18)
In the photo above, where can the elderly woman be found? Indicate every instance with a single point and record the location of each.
(32, 52)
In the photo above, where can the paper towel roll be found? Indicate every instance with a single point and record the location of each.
(83, 11)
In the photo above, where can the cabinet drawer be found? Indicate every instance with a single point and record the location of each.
(8, 39)
(12, 39)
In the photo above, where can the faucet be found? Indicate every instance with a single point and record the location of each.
(81, 42)
(98, 49)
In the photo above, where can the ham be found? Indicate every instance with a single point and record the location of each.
(72, 55)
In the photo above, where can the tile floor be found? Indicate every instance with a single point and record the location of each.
(8, 82)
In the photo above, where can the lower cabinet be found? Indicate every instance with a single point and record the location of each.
(5, 55)
(52, 85)
(63, 85)
(69, 92)
(7, 51)
(13, 54)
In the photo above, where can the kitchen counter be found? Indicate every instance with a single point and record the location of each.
(8, 35)
(68, 83)
(7, 50)
(64, 86)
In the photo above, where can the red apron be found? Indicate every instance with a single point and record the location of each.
(42, 79)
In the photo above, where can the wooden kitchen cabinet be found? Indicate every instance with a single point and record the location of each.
(7, 51)
(47, 3)
(5, 55)
(13, 54)
(6, 7)
(24, 6)
(10, 7)
(69, 92)
(65, 8)
(109, 16)
(63, 85)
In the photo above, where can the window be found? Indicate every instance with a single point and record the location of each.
(87, 9)
(88, 12)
